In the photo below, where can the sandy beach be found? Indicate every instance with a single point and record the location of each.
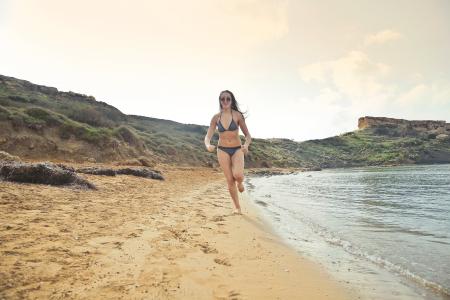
(138, 238)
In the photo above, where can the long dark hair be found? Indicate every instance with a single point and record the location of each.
(234, 104)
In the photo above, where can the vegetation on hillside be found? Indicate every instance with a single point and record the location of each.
(42, 122)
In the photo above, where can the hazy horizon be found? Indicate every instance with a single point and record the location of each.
(302, 69)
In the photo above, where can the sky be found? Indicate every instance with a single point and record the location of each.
(303, 69)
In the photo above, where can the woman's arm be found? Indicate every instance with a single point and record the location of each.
(248, 138)
(210, 133)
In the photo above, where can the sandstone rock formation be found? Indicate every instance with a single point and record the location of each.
(436, 127)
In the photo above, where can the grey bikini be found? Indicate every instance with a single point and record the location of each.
(233, 126)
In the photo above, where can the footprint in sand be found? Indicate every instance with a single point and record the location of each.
(219, 218)
(180, 234)
(206, 248)
(222, 294)
(233, 295)
(118, 245)
(201, 216)
(222, 261)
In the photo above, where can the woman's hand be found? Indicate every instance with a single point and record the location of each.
(210, 148)
(244, 149)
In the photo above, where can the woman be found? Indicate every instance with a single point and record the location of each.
(230, 152)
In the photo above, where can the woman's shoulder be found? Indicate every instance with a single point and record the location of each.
(237, 113)
(215, 117)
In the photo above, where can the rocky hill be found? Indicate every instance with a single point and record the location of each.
(434, 127)
(40, 122)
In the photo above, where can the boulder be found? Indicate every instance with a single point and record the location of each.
(141, 172)
(41, 173)
(97, 171)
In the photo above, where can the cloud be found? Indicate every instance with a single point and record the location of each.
(179, 29)
(356, 84)
(141, 52)
(426, 94)
(354, 75)
(257, 19)
(329, 96)
(348, 87)
(382, 37)
(413, 94)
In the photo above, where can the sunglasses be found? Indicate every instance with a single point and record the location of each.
(225, 99)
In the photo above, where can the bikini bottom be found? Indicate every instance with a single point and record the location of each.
(229, 150)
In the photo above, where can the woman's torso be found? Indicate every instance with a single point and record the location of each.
(230, 136)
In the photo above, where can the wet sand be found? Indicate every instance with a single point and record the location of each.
(137, 238)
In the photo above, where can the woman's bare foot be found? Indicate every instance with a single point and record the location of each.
(237, 211)
(240, 186)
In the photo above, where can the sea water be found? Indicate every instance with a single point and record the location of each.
(383, 231)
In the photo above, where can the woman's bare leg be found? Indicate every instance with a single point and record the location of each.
(237, 168)
(225, 164)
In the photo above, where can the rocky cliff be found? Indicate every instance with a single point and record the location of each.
(435, 127)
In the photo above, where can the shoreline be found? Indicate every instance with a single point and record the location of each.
(273, 171)
(143, 238)
(291, 208)
(297, 264)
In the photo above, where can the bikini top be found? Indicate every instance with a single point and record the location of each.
(233, 126)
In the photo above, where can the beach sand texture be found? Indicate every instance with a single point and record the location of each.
(137, 238)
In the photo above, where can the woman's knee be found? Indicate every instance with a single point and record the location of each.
(230, 182)
(238, 176)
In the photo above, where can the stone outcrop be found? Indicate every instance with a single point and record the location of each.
(140, 172)
(97, 171)
(42, 173)
(437, 127)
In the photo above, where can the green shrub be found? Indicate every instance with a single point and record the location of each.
(89, 115)
(18, 98)
(161, 135)
(45, 116)
(431, 136)
(86, 133)
(17, 119)
(71, 128)
(94, 135)
(4, 113)
(127, 135)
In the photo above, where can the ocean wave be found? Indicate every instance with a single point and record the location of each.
(333, 239)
